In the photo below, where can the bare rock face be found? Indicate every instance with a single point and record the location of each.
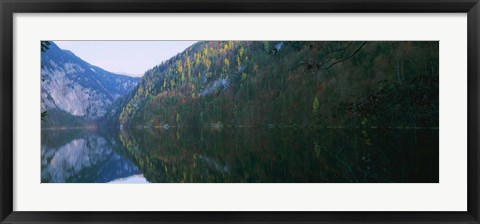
(74, 87)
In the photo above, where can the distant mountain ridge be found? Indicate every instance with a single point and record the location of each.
(72, 90)
(128, 74)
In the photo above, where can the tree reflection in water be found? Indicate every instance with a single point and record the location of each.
(241, 155)
(276, 155)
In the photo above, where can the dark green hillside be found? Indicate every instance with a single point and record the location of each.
(279, 84)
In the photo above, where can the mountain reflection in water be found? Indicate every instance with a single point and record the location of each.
(238, 155)
(82, 157)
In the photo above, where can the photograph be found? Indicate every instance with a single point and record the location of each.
(239, 111)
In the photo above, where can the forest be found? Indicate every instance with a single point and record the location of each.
(247, 112)
(376, 84)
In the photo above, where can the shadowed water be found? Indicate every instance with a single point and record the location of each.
(237, 155)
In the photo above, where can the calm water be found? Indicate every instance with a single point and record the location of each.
(233, 155)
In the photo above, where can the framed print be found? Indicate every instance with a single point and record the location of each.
(248, 112)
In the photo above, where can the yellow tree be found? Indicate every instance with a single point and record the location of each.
(238, 62)
(180, 69)
(227, 63)
(189, 68)
(241, 51)
(205, 51)
(230, 44)
(197, 58)
(207, 64)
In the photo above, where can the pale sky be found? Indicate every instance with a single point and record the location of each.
(131, 57)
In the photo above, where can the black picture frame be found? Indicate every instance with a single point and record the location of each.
(9, 7)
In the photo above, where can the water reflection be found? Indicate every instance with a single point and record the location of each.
(238, 155)
(283, 155)
(83, 157)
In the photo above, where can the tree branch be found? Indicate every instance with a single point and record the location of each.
(344, 59)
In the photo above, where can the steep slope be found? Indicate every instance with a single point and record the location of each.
(73, 91)
(290, 84)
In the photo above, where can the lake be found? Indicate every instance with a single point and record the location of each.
(240, 155)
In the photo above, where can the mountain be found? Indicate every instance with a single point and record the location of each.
(74, 91)
(289, 84)
(128, 74)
